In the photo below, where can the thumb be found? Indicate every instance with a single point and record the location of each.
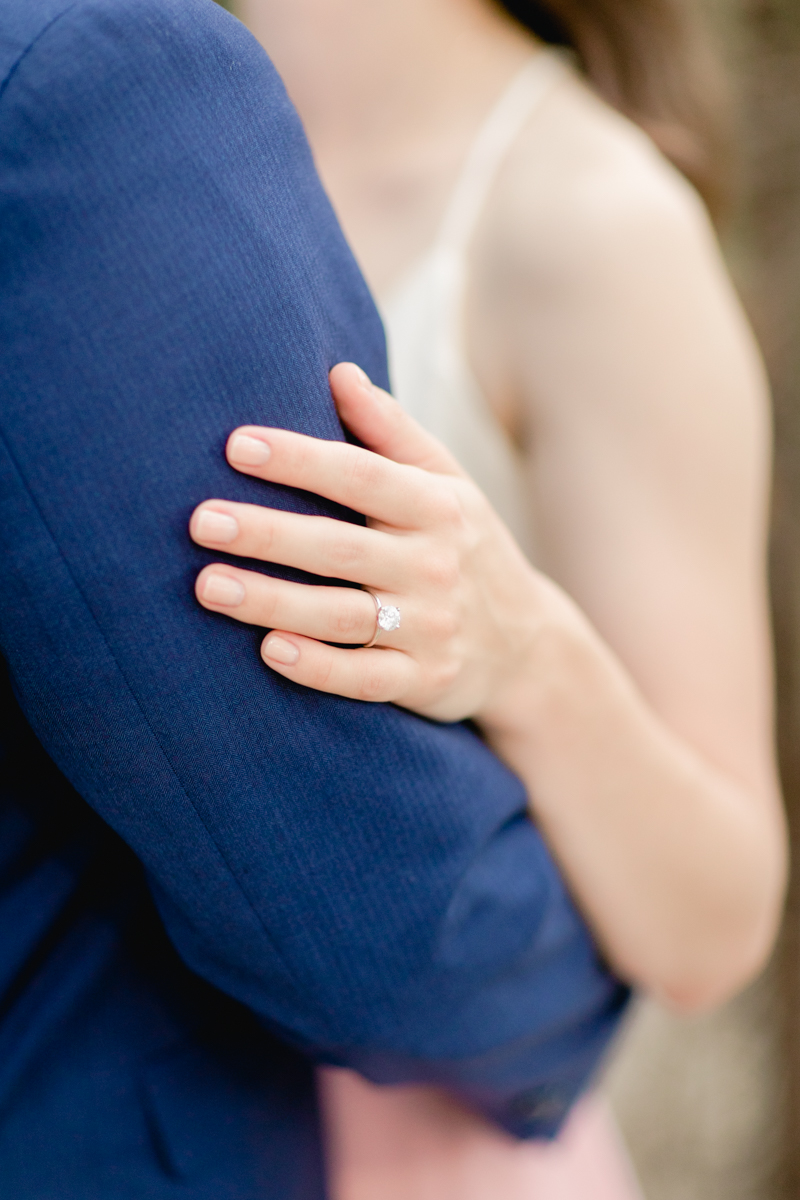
(383, 426)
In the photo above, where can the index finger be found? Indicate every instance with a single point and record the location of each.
(392, 493)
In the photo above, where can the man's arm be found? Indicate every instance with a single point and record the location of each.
(366, 881)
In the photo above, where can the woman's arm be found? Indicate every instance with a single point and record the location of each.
(646, 420)
(678, 865)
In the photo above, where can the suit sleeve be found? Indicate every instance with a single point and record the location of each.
(366, 881)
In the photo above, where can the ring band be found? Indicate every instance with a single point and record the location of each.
(387, 619)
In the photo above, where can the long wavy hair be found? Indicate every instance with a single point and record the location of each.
(650, 60)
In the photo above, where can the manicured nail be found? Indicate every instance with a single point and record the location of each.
(248, 451)
(222, 589)
(364, 380)
(216, 527)
(277, 649)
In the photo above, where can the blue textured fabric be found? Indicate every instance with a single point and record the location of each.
(210, 878)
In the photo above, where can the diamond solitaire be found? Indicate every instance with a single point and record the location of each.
(388, 618)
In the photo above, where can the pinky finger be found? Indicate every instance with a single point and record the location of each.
(380, 676)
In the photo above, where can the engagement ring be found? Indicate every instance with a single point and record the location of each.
(388, 619)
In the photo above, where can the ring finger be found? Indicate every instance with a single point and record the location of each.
(327, 614)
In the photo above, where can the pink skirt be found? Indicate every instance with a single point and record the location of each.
(416, 1143)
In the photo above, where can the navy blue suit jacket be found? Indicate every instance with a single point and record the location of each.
(210, 878)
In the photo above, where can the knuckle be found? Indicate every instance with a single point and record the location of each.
(264, 533)
(363, 470)
(371, 686)
(320, 673)
(445, 506)
(441, 568)
(346, 552)
(268, 604)
(444, 675)
(443, 625)
(347, 620)
(298, 453)
(361, 473)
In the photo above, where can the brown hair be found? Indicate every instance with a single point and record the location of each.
(649, 60)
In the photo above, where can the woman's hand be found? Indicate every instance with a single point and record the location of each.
(470, 603)
(613, 787)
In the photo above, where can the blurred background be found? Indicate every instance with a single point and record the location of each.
(716, 1113)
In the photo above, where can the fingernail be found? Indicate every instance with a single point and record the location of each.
(363, 378)
(221, 589)
(216, 527)
(277, 649)
(248, 451)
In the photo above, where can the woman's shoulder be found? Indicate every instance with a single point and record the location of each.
(596, 251)
(584, 180)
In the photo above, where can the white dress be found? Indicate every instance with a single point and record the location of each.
(424, 314)
(411, 1143)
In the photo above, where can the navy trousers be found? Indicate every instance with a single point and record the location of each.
(211, 879)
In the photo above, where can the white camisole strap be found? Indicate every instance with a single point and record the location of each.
(493, 142)
(424, 315)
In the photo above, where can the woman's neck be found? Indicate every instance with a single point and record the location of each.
(391, 93)
(373, 71)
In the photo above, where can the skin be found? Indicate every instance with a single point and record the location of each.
(627, 676)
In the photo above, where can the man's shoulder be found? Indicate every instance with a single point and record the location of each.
(24, 23)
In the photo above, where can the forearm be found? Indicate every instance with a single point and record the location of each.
(679, 867)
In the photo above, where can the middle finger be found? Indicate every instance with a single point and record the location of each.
(319, 545)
